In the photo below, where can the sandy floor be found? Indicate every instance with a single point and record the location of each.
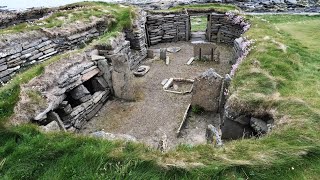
(157, 112)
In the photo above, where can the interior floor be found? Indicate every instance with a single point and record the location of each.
(156, 112)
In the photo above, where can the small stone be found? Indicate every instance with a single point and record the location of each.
(163, 82)
(175, 87)
(173, 49)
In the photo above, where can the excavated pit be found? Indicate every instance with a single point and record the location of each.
(156, 112)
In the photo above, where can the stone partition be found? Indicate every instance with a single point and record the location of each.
(20, 50)
(167, 27)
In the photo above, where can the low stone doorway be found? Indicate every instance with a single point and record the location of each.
(198, 28)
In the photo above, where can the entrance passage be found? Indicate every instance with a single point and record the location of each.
(198, 28)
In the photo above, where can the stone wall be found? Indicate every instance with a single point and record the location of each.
(137, 38)
(162, 28)
(173, 27)
(119, 45)
(20, 50)
(223, 29)
(73, 89)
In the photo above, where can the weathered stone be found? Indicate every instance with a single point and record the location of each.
(28, 50)
(85, 98)
(206, 90)
(97, 58)
(122, 78)
(150, 54)
(163, 54)
(259, 125)
(49, 51)
(99, 84)
(109, 136)
(45, 43)
(244, 120)
(79, 92)
(3, 67)
(53, 116)
(105, 72)
(51, 127)
(36, 56)
(213, 135)
(90, 74)
(32, 44)
(48, 55)
(94, 111)
(141, 71)
(163, 82)
(173, 49)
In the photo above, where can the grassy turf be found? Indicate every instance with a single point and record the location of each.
(198, 23)
(281, 73)
(216, 7)
(84, 14)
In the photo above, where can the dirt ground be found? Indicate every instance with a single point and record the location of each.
(155, 111)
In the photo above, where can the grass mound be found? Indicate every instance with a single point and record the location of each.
(281, 74)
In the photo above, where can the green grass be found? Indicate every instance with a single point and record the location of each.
(215, 7)
(84, 14)
(198, 23)
(284, 80)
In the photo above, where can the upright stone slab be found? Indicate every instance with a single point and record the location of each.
(206, 90)
(163, 54)
(122, 78)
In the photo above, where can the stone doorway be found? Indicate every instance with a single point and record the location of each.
(198, 28)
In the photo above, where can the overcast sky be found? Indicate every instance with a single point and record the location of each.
(23, 4)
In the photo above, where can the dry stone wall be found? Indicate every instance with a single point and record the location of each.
(137, 38)
(162, 28)
(172, 27)
(223, 29)
(74, 91)
(20, 50)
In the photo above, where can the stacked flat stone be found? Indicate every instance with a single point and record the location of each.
(120, 45)
(23, 49)
(71, 85)
(137, 38)
(167, 27)
(19, 50)
(223, 30)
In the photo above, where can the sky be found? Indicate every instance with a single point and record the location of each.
(23, 4)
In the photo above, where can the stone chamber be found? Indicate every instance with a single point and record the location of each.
(179, 95)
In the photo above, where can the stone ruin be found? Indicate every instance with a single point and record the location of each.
(76, 91)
